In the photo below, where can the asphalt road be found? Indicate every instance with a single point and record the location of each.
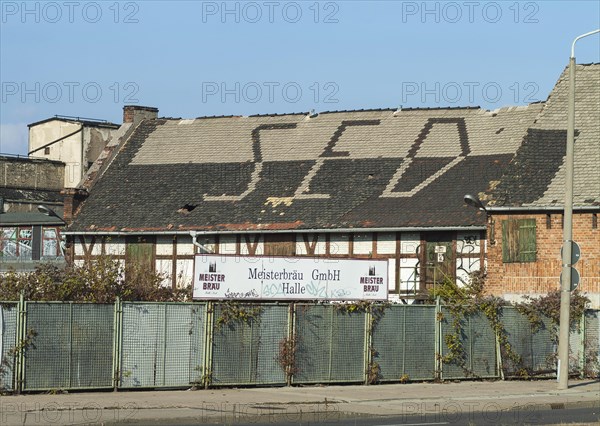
(528, 415)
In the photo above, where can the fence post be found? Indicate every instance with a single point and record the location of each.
(582, 359)
(117, 320)
(438, 340)
(368, 355)
(499, 365)
(291, 336)
(208, 338)
(18, 371)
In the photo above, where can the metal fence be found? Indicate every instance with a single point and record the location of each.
(404, 343)
(245, 345)
(161, 344)
(71, 345)
(330, 344)
(8, 340)
(57, 345)
(478, 357)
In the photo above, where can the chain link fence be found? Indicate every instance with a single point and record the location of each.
(476, 337)
(246, 344)
(9, 312)
(591, 344)
(403, 343)
(162, 344)
(69, 346)
(330, 344)
(55, 345)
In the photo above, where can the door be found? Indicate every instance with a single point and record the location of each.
(439, 258)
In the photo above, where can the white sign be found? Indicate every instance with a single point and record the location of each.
(440, 249)
(440, 257)
(289, 278)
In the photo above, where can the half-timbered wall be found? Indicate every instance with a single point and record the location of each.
(407, 252)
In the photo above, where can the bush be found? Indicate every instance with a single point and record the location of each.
(101, 280)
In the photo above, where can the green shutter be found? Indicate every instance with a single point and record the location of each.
(527, 240)
(518, 240)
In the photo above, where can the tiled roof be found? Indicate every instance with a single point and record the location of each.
(350, 169)
(536, 176)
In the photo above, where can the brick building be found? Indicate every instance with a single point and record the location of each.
(526, 206)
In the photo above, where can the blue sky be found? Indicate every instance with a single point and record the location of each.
(190, 59)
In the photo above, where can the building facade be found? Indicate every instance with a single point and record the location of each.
(525, 207)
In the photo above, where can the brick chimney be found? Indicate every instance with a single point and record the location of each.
(72, 199)
(136, 113)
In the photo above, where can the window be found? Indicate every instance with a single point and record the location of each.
(50, 243)
(16, 243)
(518, 240)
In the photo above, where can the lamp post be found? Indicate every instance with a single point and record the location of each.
(565, 285)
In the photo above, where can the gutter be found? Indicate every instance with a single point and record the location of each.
(279, 231)
(544, 208)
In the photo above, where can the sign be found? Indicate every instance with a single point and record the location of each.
(440, 257)
(575, 252)
(575, 278)
(289, 278)
(440, 249)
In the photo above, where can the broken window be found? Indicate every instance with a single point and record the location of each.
(518, 240)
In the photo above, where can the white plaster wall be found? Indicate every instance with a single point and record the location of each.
(185, 272)
(468, 243)
(68, 150)
(391, 274)
(227, 244)
(115, 246)
(363, 243)
(408, 274)
(386, 243)
(339, 243)
(164, 267)
(409, 242)
(164, 245)
(244, 249)
(320, 247)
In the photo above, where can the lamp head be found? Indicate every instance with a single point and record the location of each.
(474, 201)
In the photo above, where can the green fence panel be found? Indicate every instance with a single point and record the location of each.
(404, 343)
(162, 344)
(592, 344)
(72, 346)
(536, 347)
(330, 345)
(245, 352)
(479, 347)
(8, 340)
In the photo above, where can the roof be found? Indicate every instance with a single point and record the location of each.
(347, 169)
(29, 218)
(87, 122)
(536, 176)
(31, 195)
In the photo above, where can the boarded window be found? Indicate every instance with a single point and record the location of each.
(280, 245)
(518, 240)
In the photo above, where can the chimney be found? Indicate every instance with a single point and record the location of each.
(72, 199)
(136, 113)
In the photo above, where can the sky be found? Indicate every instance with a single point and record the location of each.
(203, 58)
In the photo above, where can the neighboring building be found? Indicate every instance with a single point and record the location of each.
(76, 142)
(26, 183)
(526, 206)
(61, 150)
(361, 184)
(27, 236)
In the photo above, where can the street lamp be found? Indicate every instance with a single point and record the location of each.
(49, 212)
(565, 285)
(474, 201)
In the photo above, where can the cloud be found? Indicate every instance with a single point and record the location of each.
(14, 138)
